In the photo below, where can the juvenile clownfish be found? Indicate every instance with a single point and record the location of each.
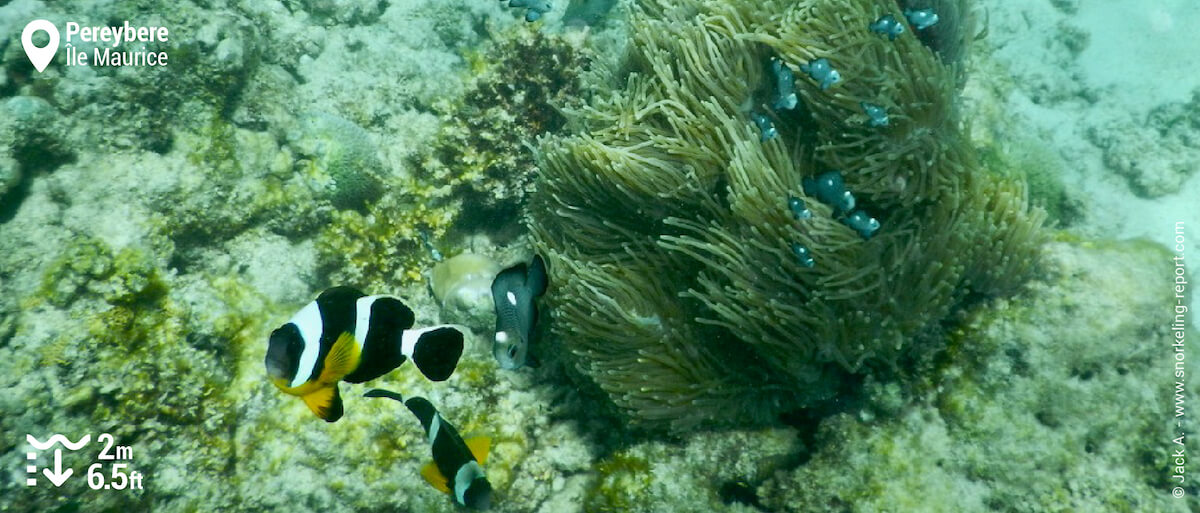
(345, 335)
(887, 25)
(921, 19)
(534, 9)
(456, 467)
(876, 115)
(863, 223)
(766, 128)
(513, 293)
(822, 71)
(803, 255)
(829, 188)
(799, 210)
(784, 96)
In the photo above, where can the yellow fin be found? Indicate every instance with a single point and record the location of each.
(434, 477)
(342, 359)
(325, 402)
(479, 448)
(300, 391)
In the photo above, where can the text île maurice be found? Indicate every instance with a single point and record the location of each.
(114, 37)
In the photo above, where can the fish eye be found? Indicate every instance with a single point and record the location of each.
(512, 352)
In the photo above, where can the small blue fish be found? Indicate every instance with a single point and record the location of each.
(427, 241)
(863, 223)
(829, 188)
(803, 255)
(534, 9)
(765, 127)
(456, 468)
(887, 25)
(785, 86)
(821, 71)
(921, 19)
(514, 291)
(799, 210)
(876, 115)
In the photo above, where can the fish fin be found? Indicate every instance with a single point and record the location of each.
(326, 403)
(536, 278)
(340, 293)
(434, 477)
(342, 359)
(395, 311)
(379, 392)
(479, 447)
(436, 352)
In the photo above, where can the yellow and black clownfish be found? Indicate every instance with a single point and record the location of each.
(345, 335)
(456, 467)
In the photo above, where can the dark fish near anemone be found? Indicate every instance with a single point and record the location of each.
(514, 292)
(876, 115)
(534, 9)
(829, 188)
(822, 71)
(345, 335)
(457, 464)
(784, 95)
(863, 223)
(921, 19)
(887, 25)
(799, 210)
(766, 128)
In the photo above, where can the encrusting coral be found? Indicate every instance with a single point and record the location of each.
(480, 156)
(666, 224)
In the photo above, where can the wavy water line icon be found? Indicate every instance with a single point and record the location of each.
(57, 438)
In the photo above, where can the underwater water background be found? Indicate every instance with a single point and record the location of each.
(1012, 333)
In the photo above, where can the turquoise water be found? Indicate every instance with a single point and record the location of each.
(643, 256)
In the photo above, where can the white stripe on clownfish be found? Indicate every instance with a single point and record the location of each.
(409, 339)
(362, 321)
(463, 478)
(434, 427)
(308, 321)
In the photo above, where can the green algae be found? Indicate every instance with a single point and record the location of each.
(382, 249)
(248, 181)
(218, 153)
(89, 265)
(622, 484)
(481, 155)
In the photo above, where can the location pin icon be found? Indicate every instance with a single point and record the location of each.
(40, 57)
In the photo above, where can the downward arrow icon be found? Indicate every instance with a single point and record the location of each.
(58, 477)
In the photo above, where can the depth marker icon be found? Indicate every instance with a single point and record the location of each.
(40, 57)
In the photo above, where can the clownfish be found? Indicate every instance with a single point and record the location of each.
(345, 335)
(887, 25)
(456, 467)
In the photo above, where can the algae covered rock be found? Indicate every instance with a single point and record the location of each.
(10, 174)
(30, 140)
(1055, 402)
(706, 472)
(481, 157)
(123, 357)
(344, 165)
